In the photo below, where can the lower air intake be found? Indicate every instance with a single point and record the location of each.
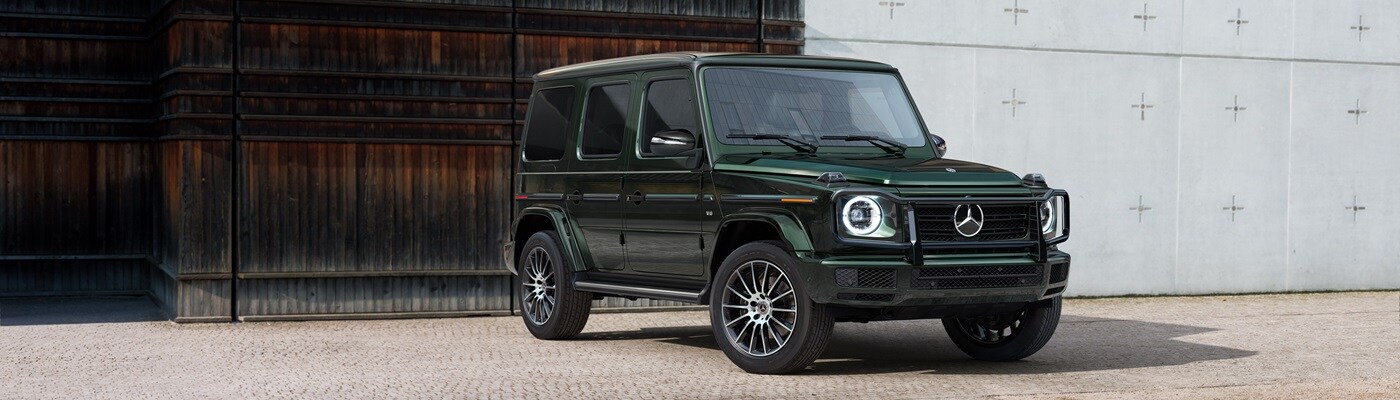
(865, 277)
(865, 296)
(975, 277)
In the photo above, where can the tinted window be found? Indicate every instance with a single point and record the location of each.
(605, 120)
(548, 124)
(669, 105)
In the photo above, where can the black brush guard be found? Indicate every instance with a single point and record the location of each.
(915, 247)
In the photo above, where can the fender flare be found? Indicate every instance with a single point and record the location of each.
(560, 221)
(793, 232)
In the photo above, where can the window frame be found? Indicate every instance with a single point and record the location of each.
(570, 124)
(627, 80)
(675, 75)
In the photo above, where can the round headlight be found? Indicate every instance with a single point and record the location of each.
(862, 215)
(1047, 218)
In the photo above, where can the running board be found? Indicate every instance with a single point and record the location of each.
(637, 291)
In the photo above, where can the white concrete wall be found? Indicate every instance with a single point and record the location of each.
(1293, 158)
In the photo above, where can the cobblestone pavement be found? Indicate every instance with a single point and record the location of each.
(1266, 346)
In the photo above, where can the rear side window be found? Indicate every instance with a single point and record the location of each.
(604, 121)
(669, 106)
(548, 124)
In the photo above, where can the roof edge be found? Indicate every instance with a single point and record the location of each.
(678, 59)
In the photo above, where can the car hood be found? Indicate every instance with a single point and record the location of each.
(891, 171)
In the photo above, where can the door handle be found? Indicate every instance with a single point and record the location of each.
(574, 197)
(636, 197)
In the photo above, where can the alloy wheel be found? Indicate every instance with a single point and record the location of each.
(759, 308)
(537, 286)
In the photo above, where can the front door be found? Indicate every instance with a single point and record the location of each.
(662, 198)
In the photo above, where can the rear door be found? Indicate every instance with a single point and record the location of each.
(662, 198)
(595, 191)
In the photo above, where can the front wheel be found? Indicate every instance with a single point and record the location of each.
(1005, 337)
(761, 314)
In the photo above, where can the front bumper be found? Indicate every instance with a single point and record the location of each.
(891, 281)
(945, 273)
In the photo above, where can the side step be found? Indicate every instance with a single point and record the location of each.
(638, 291)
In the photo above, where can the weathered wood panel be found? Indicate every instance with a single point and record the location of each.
(85, 74)
(203, 300)
(76, 198)
(387, 296)
(192, 43)
(75, 9)
(375, 144)
(91, 59)
(74, 277)
(325, 207)
(398, 83)
(193, 211)
(75, 121)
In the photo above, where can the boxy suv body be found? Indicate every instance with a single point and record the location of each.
(784, 192)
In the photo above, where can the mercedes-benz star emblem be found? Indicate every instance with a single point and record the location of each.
(967, 219)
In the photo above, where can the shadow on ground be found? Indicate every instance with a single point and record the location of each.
(77, 310)
(1080, 344)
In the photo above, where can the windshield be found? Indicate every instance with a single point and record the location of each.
(814, 106)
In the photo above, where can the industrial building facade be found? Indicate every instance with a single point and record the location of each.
(1212, 146)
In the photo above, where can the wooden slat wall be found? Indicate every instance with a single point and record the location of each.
(377, 149)
(85, 198)
(70, 277)
(339, 157)
(192, 45)
(75, 151)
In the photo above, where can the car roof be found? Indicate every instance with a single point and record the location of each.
(696, 59)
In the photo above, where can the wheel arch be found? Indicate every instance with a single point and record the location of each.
(535, 219)
(745, 227)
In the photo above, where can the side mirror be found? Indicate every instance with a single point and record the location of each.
(940, 146)
(672, 142)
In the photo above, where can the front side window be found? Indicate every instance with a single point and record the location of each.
(605, 121)
(814, 106)
(548, 124)
(669, 105)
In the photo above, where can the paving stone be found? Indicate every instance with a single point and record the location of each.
(1266, 346)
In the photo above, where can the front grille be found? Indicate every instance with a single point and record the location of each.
(1003, 222)
(979, 276)
(865, 277)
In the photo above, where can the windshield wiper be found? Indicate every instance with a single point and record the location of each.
(799, 144)
(887, 145)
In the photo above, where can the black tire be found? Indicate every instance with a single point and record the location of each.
(810, 323)
(565, 316)
(1006, 337)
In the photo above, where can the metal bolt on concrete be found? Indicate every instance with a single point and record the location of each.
(1333, 345)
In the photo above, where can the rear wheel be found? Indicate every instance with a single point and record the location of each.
(761, 314)
(550, 306)
(1005, 337)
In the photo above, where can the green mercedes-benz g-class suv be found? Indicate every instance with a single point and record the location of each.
(784, 192)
